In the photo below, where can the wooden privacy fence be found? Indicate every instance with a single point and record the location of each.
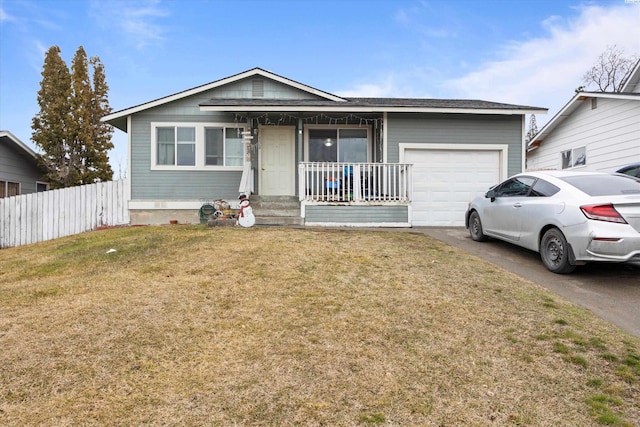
(36, 217)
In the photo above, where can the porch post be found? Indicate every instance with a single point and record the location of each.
(300, 142)
(246, 139)
(300, 158)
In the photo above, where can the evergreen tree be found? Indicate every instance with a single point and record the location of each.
(533, 129)
(51, 123)
(102, 131)
(68, 127)
(79, 131)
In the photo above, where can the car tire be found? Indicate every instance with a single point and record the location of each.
(475, 228)
(554, 251)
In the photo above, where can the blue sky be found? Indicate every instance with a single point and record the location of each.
(528, 52)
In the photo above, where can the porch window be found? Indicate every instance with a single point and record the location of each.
(223, 146)
(343, 145)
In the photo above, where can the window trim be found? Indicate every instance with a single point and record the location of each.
(337, 128)
(45, 184)
(200, 146)
(5, 188)
(573, 158)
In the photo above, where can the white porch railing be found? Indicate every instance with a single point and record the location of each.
(354, 182)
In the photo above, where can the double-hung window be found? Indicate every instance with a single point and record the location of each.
(176, 146)
(199, 146)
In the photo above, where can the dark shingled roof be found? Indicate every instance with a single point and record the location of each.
(366, 103)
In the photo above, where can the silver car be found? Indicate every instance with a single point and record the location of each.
(570, 218)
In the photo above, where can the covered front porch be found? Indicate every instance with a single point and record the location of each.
(355, 194)
(333, 166)
(354, 183)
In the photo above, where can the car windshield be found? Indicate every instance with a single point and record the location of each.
(604, 185)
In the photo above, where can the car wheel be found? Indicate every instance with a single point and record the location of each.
(554, 252)
(475, 227)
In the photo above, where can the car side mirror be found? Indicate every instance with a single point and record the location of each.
(491, 194)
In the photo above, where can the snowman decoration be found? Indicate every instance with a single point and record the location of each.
(245, 214)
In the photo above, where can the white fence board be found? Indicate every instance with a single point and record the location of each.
(37, 217)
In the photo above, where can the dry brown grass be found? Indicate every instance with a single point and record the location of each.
(188, 325)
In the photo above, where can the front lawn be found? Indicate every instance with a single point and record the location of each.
(189, 325)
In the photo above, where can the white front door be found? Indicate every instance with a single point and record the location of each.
(277, 161)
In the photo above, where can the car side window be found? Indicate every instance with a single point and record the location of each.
(515, 187)
(631, 170)
(543, 188)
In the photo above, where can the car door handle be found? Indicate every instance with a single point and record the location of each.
(517, 205)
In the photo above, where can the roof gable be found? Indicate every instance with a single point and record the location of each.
(629, 90)
(255, 72)
(573, 105)
(10, 139)
(632, 84)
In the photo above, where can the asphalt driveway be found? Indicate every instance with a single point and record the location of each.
(611, 291)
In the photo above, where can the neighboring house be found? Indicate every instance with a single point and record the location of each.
(342, 161)
(594, 131)
(19, 169)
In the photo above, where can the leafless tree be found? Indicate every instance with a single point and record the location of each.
(610, 71)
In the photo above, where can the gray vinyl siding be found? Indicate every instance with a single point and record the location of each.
(177, 184)
(356, 214)
(190, 184)
(456, 129)
(16, 167)
(243, 89)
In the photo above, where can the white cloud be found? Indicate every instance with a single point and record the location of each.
(4, 16)
(541, 71)
(544, 71)
(135, 20)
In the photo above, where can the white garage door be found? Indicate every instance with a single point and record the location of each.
(444, 181)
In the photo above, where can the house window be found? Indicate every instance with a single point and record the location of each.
(176, 146)
(223, 146)
(338, 145)
(42, 186)
(574, 158)
(8, 189)
(201, 146)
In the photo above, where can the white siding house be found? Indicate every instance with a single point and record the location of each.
(595, 131)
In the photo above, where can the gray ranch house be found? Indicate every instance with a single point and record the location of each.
(20, 172)
(306, 156)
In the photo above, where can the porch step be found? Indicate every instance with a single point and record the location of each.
(276, 210)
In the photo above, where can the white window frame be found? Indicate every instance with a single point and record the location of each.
(338, 128)
(45, 184)
(200, 146)
(573, 164)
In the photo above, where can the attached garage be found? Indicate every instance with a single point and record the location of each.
(447, 176)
